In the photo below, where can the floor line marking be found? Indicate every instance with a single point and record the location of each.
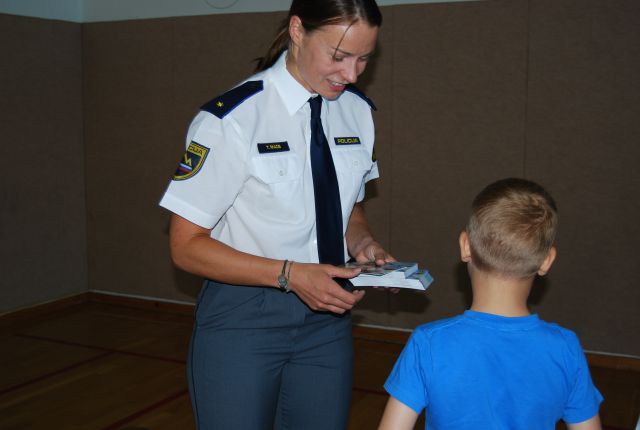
(53, 373)
(145, 410)
(100, 348)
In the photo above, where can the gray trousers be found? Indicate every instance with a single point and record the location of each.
(260, 359)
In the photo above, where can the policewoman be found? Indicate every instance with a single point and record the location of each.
(265, 205)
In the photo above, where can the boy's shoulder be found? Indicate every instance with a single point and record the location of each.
(563, 335)
(433, 327)
(549, 332)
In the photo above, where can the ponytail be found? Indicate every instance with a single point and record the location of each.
(278, 46)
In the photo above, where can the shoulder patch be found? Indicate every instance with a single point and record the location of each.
(191, 162)
(355, 90)
(225, 103)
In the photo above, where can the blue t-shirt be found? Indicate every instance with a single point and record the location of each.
(484, 371)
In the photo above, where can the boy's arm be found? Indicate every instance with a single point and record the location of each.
(590, 424)
(398, 416)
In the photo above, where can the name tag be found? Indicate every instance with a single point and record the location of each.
(267, 148)
(347, 140)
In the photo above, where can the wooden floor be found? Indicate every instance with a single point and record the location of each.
(101, 366)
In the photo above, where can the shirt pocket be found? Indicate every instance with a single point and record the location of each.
(275, 168)
(352, 166)
(352, 161)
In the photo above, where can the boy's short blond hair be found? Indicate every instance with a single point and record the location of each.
(512, 227)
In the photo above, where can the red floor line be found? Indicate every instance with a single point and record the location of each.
(146, 410)
(54, 373)
(99, 348)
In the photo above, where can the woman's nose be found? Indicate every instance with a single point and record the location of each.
(350, 72)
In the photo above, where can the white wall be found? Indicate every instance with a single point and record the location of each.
(64, 10)
(117, 10)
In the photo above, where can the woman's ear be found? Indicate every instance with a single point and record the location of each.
(465, 249)
(296, 30)
(548, 261)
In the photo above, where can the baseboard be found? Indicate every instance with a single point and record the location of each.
(138, 302)
(44, 308)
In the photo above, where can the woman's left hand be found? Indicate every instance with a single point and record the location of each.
(373, 251)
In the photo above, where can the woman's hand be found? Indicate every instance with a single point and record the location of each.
(315, 286)
(375, 252)
(372, 251)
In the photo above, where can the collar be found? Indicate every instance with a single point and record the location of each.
(293, 94)
(503, 323)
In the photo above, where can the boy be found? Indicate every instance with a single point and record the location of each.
(497, 366)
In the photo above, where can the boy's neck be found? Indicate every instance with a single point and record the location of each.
(500, 295)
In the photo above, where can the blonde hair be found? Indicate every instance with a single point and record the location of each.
(512, 227)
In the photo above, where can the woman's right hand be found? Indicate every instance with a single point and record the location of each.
(315, 286)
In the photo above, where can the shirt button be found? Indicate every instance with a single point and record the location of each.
(281, 172)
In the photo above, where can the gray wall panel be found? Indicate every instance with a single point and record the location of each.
(458, 122)
(129, 115)
(583, 136)
(42, 206)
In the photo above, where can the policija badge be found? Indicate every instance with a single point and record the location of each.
(191, 162)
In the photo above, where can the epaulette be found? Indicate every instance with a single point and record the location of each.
(225, 103)
(356, 91)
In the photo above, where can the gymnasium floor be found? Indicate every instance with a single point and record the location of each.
(102, 366)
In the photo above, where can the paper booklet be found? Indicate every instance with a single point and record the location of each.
(395, 274)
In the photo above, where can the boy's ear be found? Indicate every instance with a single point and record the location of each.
(465, 249)
(548, 261)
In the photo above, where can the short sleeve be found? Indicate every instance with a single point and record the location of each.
(584, 398)
(215, 162)
(373, 173)
(369, 137)
(407, 381)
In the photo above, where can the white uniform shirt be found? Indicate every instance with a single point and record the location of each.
(262, 203)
